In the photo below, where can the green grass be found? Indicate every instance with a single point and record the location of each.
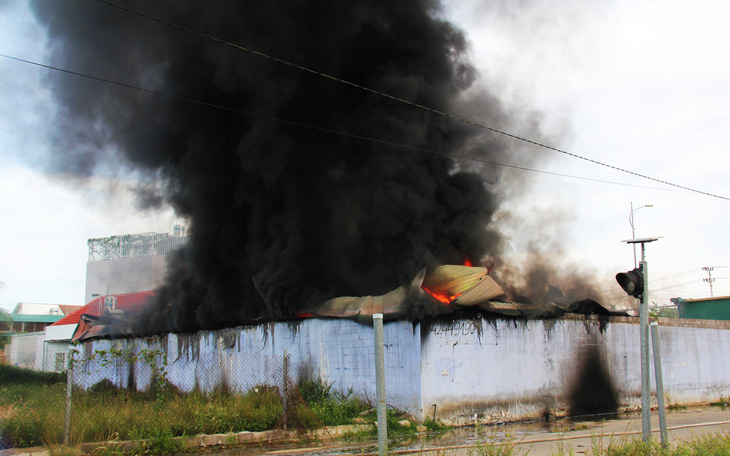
(31, 413)
(330, 406)
(32, 409)
(133, 416)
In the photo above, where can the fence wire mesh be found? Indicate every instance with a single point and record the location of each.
(128, 391)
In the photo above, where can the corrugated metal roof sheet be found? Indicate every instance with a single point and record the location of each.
(450, 280)
(449, 288)
(392, 305)
(444, 287)
(706, 309)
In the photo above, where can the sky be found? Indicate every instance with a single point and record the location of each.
(640, 85)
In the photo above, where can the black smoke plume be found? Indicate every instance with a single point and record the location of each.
(281, 216)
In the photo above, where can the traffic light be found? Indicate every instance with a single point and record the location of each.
(632, 282)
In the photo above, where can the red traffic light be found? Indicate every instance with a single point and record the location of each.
(632, 282)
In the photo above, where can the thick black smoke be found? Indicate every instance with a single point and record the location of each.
(281, 216)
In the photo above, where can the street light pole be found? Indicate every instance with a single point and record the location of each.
(644, 339)
(645, 379)
(631, 222)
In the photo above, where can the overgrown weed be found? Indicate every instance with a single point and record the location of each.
(32, 412)
(329, 405)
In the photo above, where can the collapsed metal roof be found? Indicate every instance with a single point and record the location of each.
(448, 289)
(440, 290)
(432, 292)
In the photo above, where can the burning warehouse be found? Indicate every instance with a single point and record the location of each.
(308, 192)
(297, 188)
(458, 291)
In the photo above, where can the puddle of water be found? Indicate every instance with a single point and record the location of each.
(505, 432)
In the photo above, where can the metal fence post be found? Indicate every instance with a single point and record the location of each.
(659, 383)
(645, 380)
(380, 384)
(69, 387)
(286, 386)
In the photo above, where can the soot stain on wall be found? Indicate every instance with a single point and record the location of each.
(592, 390)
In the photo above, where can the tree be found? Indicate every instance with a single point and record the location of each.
(663, 311)
(6, 328)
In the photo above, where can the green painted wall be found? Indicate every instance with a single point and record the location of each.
(718, 309)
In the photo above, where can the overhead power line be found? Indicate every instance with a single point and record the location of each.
(402, 100)
(313, 127)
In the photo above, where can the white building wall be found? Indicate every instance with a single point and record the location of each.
(33, 308)
(40, 352)
(60, 332)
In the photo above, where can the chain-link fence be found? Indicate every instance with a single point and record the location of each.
(132, 390)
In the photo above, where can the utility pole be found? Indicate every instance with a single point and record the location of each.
(709, 279)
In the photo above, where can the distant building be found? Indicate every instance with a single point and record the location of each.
(121, 306)
(717, 308)
(26, 326)
(130, 263)
(120, 273)
(33, 317)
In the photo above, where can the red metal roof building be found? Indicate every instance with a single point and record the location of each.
(122, 303)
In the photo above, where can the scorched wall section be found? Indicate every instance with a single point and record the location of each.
(503, 370)
(506, 370)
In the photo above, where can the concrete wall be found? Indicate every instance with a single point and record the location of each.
(473, 370)
(339, 351)
(124, 275)
(503, 370)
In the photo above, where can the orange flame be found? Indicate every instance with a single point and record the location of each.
(467, 262)
(446, 299)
